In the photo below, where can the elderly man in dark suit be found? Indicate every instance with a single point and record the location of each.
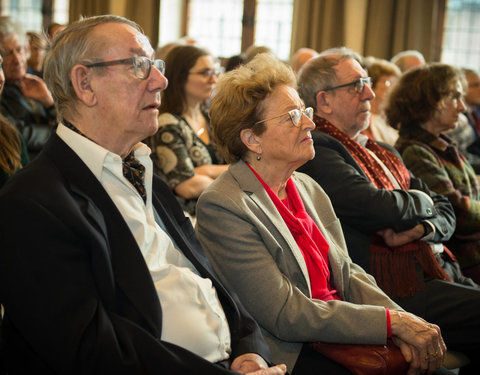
(100, 271)
(393, 224)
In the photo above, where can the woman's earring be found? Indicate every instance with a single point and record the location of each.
(259, 157)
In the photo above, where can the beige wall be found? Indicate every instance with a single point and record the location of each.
(144, 12)
(355, 20)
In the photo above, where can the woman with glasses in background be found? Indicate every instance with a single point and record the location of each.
(182, 149)
(427, 102)
(273, 238)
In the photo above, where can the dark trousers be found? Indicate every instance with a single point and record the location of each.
(310, 362)
(455, 308)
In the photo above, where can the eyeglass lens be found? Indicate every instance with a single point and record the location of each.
(143, 66)
(296, 114)
(360, 84)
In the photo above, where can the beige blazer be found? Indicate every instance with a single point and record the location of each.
(254, 254)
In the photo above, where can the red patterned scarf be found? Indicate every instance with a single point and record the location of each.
(308, 237)
(393, 267)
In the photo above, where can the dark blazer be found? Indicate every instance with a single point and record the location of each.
(363, 209)
(77, 292)
(34, 123)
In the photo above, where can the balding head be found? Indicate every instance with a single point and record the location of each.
(408, 59)
(300, 57)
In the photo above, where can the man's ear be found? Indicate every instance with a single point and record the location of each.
(324, 102)
(80, 78)
(251, 141)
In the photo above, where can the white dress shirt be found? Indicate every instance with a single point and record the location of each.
(192, 315)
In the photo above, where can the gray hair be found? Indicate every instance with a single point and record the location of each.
(399, 58)
(74, 45)
(9, 27)
(319, 73)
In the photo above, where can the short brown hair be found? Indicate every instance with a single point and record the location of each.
(73, 46)
(237, 104)
(178, 63)
(420, 92)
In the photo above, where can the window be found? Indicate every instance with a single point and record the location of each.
(461, 45)
(217, 25)
(220, 24)
(60, 11)
(28, 13)
(274, 26)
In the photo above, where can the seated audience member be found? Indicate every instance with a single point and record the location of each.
(183, 152)
(472, 100)
(233, 62)
(13, 151)
(300, 57)
(383, 74)
(37, 46)
(408, 59)
(394, 226)
(464, 136)
(162, 51)
(254, 50)
(53, 29)
(26, 100)
(113, 279)
(273, 237)
(426, 102)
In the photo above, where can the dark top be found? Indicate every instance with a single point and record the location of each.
(33, 121)
(78, 295)
(24, 160)
(363, 209)
(439, 163)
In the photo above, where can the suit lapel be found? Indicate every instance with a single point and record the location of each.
(130, 270)
(254, 189)
(184, 236)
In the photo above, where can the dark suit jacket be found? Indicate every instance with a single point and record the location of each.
(363, 209)
(77, 292)
(35, 125)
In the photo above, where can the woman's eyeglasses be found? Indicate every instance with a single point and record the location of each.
(295, 115)
(209, 73)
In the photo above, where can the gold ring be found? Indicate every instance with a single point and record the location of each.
(432, 355)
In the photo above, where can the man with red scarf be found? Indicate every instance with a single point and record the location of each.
(393, 224)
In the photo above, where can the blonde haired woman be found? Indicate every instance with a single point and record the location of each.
(273, 238)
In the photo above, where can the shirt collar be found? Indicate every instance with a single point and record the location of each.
(92, 154)
(361, 139)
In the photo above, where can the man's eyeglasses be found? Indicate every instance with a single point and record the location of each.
(359, 85)
(142, 66)
(209, 73)
(295, 115)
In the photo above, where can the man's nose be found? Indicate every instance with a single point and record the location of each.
(158, 79)
(368, 93)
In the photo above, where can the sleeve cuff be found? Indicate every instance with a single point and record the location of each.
(389, 324)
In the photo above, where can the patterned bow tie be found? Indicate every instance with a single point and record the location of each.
(134, 172)
(132, 169)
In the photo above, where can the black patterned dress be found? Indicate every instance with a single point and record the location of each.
(176, 151)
